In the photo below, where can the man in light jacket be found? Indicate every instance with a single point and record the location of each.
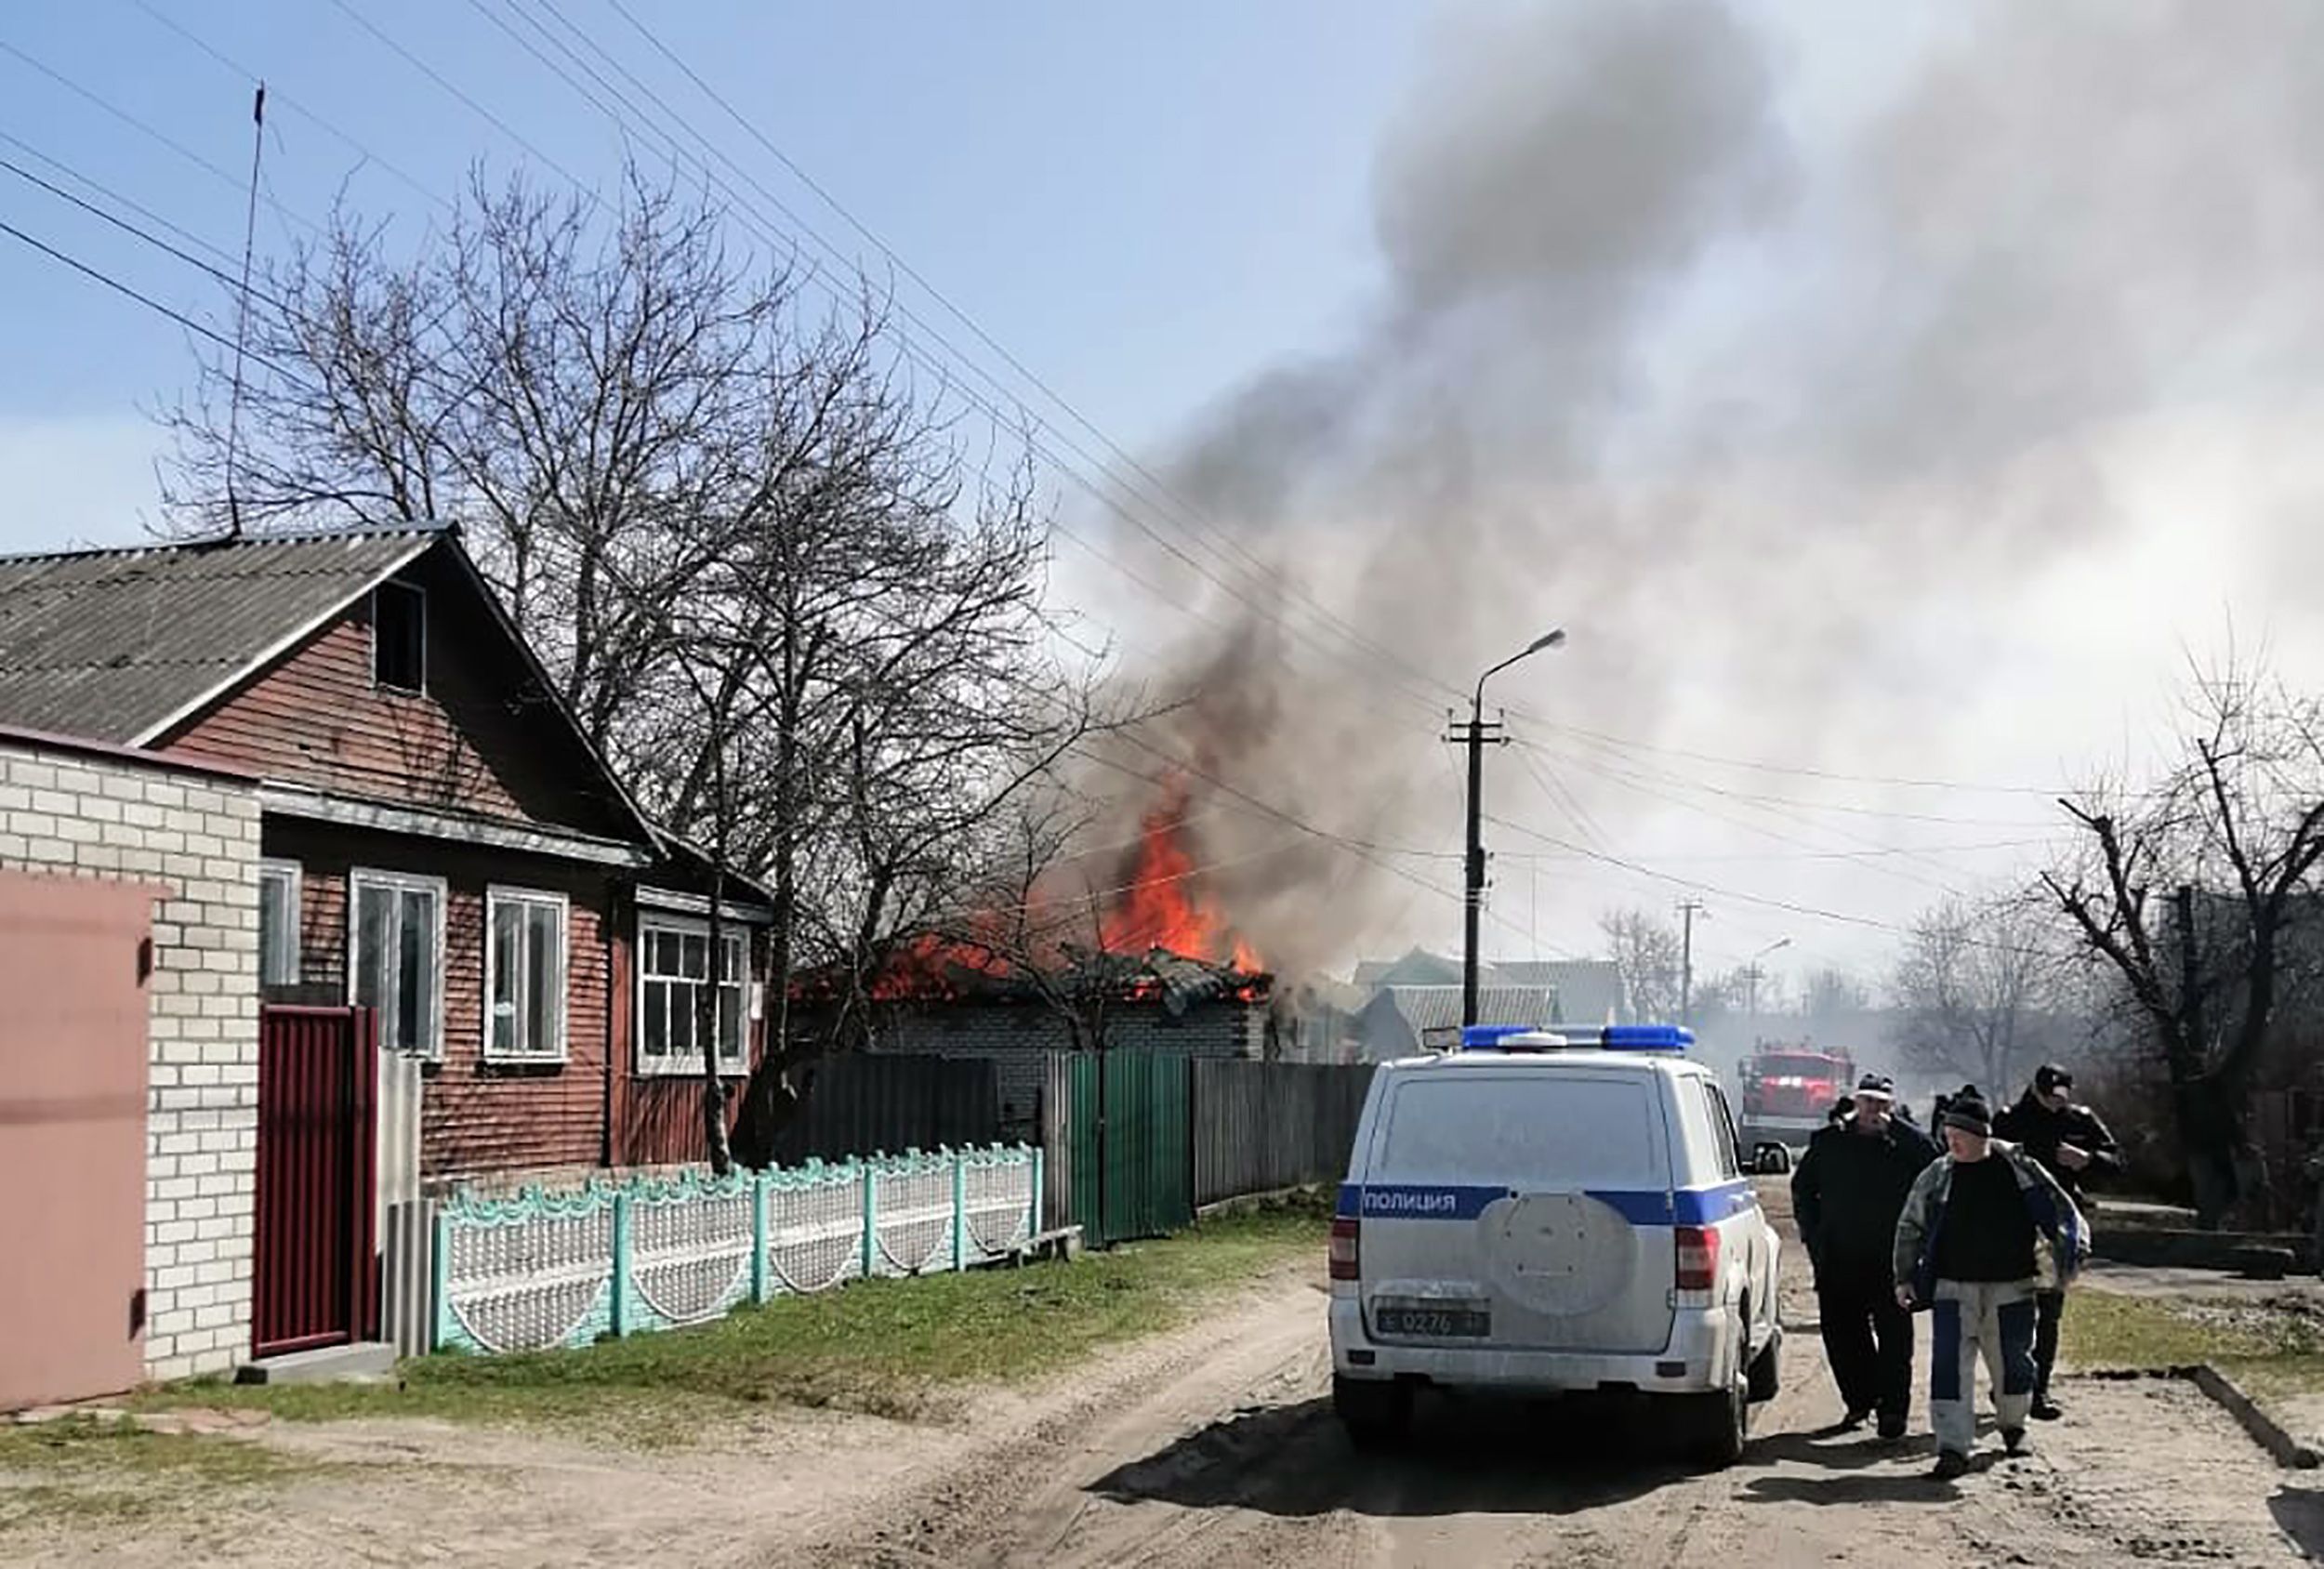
(1983, 1230)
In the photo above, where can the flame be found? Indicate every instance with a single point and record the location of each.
(1162, 903)
(930, 966)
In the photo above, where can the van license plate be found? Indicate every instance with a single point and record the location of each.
(1463, 1324)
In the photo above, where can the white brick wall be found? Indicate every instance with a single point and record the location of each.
(117, 818)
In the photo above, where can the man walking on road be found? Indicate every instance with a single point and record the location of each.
(1846, 1195)
(1983, 1228)
(2075, 1145)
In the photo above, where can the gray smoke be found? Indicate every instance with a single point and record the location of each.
(1683, 350)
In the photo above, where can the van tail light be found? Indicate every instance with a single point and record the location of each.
(1698, 1258)
(1345, 1247)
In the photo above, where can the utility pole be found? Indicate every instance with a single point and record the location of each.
(1473, 735)
(1688, 910)
(1476, 735)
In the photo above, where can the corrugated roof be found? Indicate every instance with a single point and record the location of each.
(1436, 1008)
(109, 644)
(1589, 991)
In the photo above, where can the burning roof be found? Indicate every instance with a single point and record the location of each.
(931, 968)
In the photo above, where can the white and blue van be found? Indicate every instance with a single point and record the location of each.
(1546, 1214)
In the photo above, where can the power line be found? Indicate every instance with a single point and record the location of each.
(1188, 511)
(1645, 771)
(147, 300)
(1763, 831)
(146, 213)
(1811, 911)
(1104, 496)
(802, 227)
(137, 124)
(127, 227)
(1631, 744)
(292, 104)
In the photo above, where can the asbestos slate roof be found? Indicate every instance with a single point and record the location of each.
(109, 644)
(1437, 1007)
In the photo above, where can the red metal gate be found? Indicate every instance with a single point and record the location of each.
(317, 1148)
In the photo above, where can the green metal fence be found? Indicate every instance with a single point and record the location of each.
(1131, 1131)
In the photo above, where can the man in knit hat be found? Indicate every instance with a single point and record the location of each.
(1846, 1194)
(1983, 1230)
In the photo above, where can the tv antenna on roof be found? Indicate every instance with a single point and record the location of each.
(242, 321)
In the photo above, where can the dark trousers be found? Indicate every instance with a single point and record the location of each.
(1868, 1338)
(2049, 1307)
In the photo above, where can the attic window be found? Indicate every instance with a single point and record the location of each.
(399, 637)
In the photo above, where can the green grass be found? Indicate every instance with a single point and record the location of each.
(2272, 1347)
(79, 1471)
(903, 1348)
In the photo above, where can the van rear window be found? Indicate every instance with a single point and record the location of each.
(1560, 1132)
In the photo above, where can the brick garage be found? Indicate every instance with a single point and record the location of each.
(88, 810)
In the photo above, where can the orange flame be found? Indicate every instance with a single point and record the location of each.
(1162, 903)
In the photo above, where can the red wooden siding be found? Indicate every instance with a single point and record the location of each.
(479, 740)
(477, 1116)
(657, 1121)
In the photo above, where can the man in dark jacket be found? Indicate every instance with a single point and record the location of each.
(1847, 1192)
(2075, 1146)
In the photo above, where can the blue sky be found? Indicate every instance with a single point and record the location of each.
(1143, 204)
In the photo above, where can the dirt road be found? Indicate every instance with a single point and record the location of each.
(1217, 1448)
(1220, 1448)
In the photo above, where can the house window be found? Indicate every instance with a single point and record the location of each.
(396, 958)
(399, 637)
(524, 976)
(278, 923)
(673, 969)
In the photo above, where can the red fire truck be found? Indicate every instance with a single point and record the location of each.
(1787, 1094)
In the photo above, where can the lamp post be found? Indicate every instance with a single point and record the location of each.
(1752, 1003)
(1473, 901)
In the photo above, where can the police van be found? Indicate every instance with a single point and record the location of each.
(1538, 1213)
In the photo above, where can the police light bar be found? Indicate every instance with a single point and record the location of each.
(1509, 1037)
(1646, 1037)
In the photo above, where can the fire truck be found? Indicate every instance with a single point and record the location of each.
(1787, 1094)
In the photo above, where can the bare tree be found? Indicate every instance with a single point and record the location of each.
(1646, 950)
(807, 627)
(1973, 990)
(1832, 996)
(2230, 840)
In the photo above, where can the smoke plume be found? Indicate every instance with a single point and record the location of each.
(1692, 342)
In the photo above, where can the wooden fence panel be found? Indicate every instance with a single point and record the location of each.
(1261, 1126)
(861, 1104)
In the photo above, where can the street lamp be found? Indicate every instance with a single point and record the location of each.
(1751, 1004)
(1475, 901)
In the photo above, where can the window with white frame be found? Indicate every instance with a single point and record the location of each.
(278, 923)
(673, 971)
(524, 975)
(395, 957)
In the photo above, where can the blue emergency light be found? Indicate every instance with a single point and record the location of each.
(1646, 1037)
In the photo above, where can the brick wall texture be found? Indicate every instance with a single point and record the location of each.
(62, 812)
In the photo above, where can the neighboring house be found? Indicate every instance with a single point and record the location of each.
(439, 838)
(1403, 1020)
(1589, 991)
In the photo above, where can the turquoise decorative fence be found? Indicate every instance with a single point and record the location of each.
(543, 1269)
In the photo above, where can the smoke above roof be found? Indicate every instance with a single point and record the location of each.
(1691, 341)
